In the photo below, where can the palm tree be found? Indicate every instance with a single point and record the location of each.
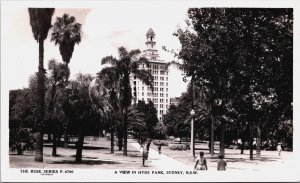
(59, 74)
(40, 21)
(66, 32)
(128, 63)
(88, 100)
(108, 76)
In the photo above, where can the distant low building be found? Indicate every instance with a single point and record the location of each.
(174, 101)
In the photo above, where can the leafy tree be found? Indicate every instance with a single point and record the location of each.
(151, 119)
(143, 119)
(236, 53)
(57, 81)
(109, 78)
(40, 21)
(160, 130)
(22, 115)
(177, 119)
(84, 109)
(21, 109)
(66, 32)
(128, 63)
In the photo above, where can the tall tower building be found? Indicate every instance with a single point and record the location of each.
(157, 67)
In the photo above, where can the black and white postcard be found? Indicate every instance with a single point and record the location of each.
(149, 91)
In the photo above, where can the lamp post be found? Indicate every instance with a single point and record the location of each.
(192, 113)
(217, 102)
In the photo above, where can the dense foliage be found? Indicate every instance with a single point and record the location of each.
(243, 57)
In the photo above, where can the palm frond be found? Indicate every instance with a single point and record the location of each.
(123, 52)
(142, 60)
(66, 32)
(109, 60)
(145, 76)
(134, 53)
(109, 76)
(176, 64)
(40, 21)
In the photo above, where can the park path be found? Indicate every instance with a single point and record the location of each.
(161, 161)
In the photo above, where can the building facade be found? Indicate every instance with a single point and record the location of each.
(174, 101)
(159, 71)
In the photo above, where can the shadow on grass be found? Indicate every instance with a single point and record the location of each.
(85, 162)
(246, 160)
(21, 154)
(84, 147)
(57, 155)
(85, 157)
(134, 155)
(89, 148)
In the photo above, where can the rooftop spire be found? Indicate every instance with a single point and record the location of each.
(150, 32)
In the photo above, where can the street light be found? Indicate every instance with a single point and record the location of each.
(192, 113)
(217, 102)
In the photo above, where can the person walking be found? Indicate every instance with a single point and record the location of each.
(279, 149)
(159, 147)
(201, 163)
(145, 153)
(148, 142)
(221, 163)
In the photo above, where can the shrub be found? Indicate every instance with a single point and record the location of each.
(180, 147)
(162, 142)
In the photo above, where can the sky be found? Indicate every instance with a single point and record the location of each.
(105, 28)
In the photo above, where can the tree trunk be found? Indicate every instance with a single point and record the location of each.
(222, 145)
(120, 138)
(54, 143)
(212, 143)
(49, 137)
(125, 133)
(19, 148)
(41, 104)
(251, 141)
(243, 146)
(54, 130)
(38, 147)
(258, 140)
(79, 146)
(66, 134)
(112, 138)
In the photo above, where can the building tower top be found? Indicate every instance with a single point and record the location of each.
(150, 32)
(150, 37)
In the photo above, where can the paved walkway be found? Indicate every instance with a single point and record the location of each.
(161, 161)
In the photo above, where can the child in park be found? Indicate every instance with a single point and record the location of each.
(201, 163)
(159, 147)
(221, 162)
(279, 149)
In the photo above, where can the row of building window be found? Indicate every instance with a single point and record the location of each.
(155, 100)
(155, 72)
(156, 66)
(155, 78)
(161, 106)
(149, 94)
(160, 83)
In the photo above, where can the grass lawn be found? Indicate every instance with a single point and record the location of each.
(95, 155)
(235, 160)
